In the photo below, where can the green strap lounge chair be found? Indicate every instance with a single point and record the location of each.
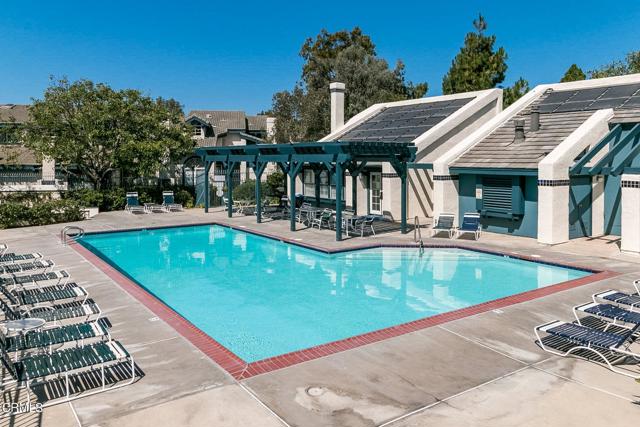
(61, 277)
(444, 223)
(38, 368)
(50, 294)
(38, 264)
(169, 203)
(133, 205)
(46, 338)
(52, 314)
(12, 257)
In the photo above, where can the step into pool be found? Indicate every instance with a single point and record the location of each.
(261, 297)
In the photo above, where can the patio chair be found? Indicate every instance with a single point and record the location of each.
(12, 257)
(168, 201)
(39, 264)
(612, 314)
(61, 277)
(53, 314)
(585, 339)
(133, 205)
(622, 298)
(323, 218)
(45, 339)
(364, 223)
(60, 364)
(470, 225)
(444, 223)
(48, 294)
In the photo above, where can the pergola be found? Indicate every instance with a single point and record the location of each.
(338, 158)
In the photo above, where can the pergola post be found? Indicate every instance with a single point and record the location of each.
(338, 176)
(229, 172)
(294, 169)
(403, 198)
(207, 190)
(316, 180)
(258, 169)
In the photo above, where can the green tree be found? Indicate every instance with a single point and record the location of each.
(478, 65)
(513, 93)
(573, 73)
(346, 56)
(630, 65)
(98, 130)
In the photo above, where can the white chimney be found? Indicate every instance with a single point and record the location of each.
(337, 105)
(271, 126)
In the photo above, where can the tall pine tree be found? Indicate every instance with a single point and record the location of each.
(477, 66)
(573, 73)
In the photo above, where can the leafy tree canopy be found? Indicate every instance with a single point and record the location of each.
(513, 93)
(346, 56)
(99, 129)
(573, 73)
(630, 65)
(478, 65)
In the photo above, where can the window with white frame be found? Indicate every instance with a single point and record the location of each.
(309, 188)
(324, 184)
(197, 130)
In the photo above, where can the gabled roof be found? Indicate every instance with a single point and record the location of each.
(221, 120)
(14, 113)
(403, 123)
(563, 108)
(257, 123)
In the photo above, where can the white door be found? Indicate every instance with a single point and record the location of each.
(375, 193)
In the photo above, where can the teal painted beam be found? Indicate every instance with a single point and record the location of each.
(338, 177)
(618, 167)
(428, 166)
(613, 151)
(608, 138)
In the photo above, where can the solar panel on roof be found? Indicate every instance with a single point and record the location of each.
(607, 103)
(588, 94)
(547, 108)
(623, 91)
(558, 97)
(573, 106)
(403, 123)
(633, 102)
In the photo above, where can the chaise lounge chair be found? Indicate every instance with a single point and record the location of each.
(133, 205)
(470, 225)
(613, 314)
(444, 223)
(48, 294)
(53, 314)
(61, 277)
(168, 202)
(12, 257)
(64, 363)
(582, 338)
(38, 264)
(45, 339)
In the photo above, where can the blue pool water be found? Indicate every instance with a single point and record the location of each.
(260, 297)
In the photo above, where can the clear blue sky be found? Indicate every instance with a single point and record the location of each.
(236, 54)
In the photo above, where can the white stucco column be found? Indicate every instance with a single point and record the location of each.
(48, 169)
(597, 206)
(630, 218)
(553, 177)
(445, 194)
(337, 105)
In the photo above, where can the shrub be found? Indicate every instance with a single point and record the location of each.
(245, 191)
(184, 198)
(275, 184)
(14, 214)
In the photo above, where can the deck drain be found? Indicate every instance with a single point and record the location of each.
(315, 391)
(154, 319)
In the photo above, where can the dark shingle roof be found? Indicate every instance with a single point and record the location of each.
(17, 155)
(403, 123)
(222, 120)
(14, 113)
(257, 123)
(561, 112)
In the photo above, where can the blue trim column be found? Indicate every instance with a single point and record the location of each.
(338, 176)
(230, 166)
(207, 186)
(403, 198)
(258, 169)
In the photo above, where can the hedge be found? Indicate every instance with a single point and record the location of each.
(16, 214)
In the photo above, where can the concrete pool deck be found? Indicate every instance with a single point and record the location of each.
(479, 370)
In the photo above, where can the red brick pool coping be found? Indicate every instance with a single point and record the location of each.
(240, 369)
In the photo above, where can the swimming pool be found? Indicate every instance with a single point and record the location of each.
(261, 297)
